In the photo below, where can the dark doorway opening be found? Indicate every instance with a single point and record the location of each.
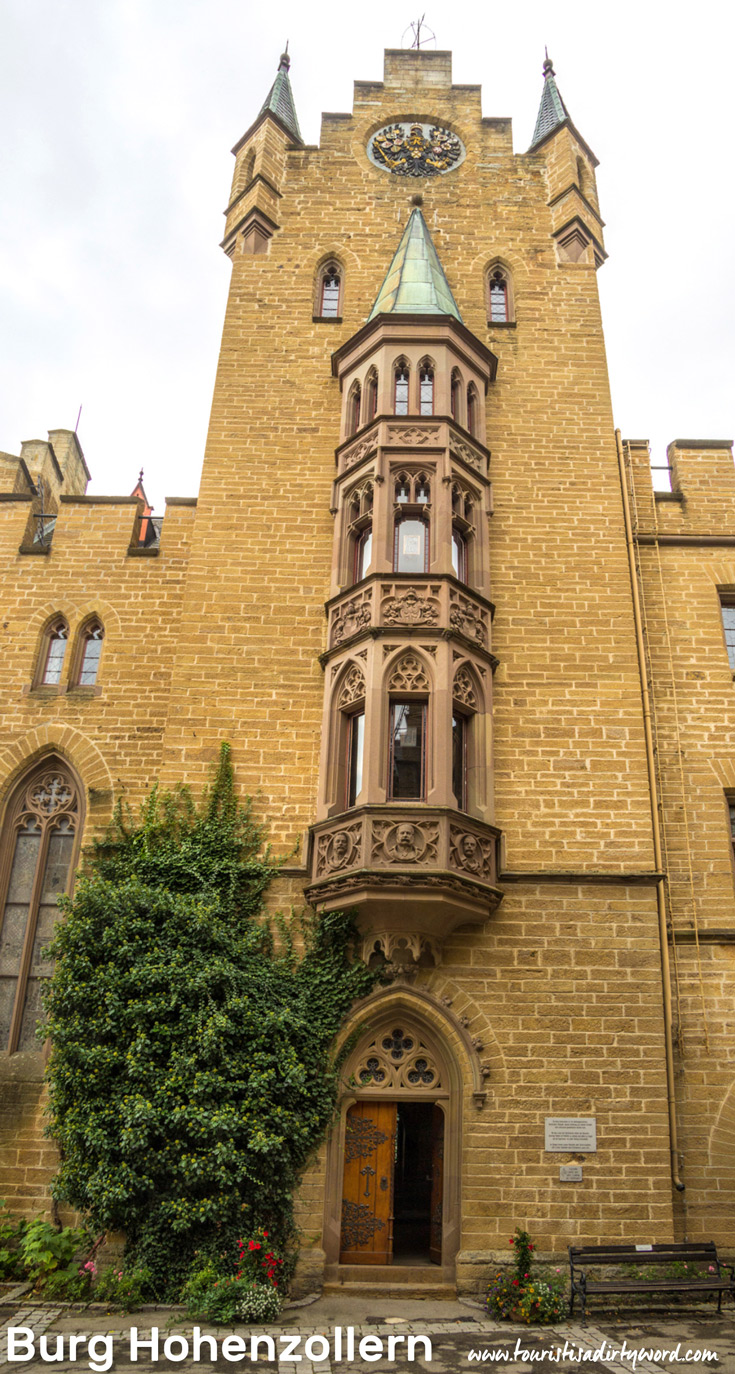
(417, 1184)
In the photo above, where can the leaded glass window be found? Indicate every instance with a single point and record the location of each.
(39, 843)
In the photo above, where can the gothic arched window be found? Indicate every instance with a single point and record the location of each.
(371, 396)
(426, 389)
(400, 388)
(89, 652)
(472, 408)
(39, 843)
(456, 398)
(353, 409)
(53, 651)
(329, 292)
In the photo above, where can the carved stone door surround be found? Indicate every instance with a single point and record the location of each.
(402, 1055)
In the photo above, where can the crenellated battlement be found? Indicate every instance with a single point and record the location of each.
(700, 507)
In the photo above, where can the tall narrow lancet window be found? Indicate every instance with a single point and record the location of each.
(456, 398)
(426, 389)
(472, 409)
(371, 396)
(353, 409)
(499, 305)
(459, 759)
(400, 391)
(39, 843)
(53, 652)
(330, 288)
(355, 752)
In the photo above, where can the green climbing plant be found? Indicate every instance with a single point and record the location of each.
(191, 1074)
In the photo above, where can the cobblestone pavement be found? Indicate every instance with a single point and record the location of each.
(337, 1338)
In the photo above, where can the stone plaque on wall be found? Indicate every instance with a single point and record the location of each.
(570, 1173)
(576, 1134)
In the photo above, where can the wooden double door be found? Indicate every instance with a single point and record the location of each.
(392, 1195)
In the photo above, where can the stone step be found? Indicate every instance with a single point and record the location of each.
(435, 1292)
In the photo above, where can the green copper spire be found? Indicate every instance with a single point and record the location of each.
(415, 283)
(552, 110)
(279, 100)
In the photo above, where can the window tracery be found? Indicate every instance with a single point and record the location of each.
(409, 675)
(353, 409)
(399, 1059)
(40, 834)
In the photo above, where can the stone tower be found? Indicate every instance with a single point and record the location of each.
(404, 594)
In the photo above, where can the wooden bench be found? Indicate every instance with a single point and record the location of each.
(707, 1274)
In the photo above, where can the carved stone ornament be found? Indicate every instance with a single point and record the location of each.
(463, 690)
(410, 608)
(352, 617)
(467, 619)
(338, 850)
(353, 687)
(49, 795)
(462, 450)
(408, 675)
(412, 435)
(403, 842)
(401, 949)
(415, 150)
(398, 1059)
(354, 455)
(469, 853)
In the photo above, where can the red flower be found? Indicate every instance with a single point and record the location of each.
(265, 1233)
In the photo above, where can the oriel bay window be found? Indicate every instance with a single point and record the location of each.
(36, 862)
(407, 750)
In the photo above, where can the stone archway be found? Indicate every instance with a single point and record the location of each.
(402, 1092)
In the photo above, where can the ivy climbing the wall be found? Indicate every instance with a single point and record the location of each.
(191, 1074)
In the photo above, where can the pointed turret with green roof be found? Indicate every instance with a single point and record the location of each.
(552, 113)
(279, 100)
(415, 283)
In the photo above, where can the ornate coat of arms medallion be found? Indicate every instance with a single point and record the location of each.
(415, 150)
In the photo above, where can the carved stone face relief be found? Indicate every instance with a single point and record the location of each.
(404, 842)
(471, 854)
(337, 850)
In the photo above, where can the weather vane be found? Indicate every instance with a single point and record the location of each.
(419, 39)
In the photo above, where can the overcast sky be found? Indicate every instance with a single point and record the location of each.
(118, 117)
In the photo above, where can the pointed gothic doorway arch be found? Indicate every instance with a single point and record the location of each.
(393, 1194)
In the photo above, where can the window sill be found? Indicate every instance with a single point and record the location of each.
(84, 691)
(33, 549)
(501, 324)
(135, 552)
(327, 319)
(45, 689)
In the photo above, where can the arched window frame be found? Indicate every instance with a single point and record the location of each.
(401, 387)
(409, 685)
(468, 712)
(463, 530)
(371, 396)
(87, 654)
(348, 701)
(427, 395)
(328, 297)
(52, 654)
(412, 504)
(352, 415)
(456, 393)
(473, 410)
(46, 805)
(500, 305)
(359, 528)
